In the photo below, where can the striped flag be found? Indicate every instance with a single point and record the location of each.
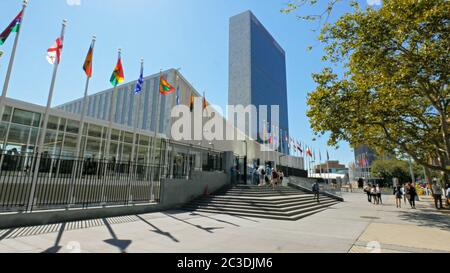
(87, 67)
(12, 27)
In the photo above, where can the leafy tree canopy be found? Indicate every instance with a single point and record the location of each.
(393, 94)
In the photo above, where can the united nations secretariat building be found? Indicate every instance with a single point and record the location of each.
(141, 154)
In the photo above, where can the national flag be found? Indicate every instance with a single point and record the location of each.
(117, 76)
(87, 67)
(308, 152)
(54, 52)
(140, 82)
(14, 26)
(164, 86)
(178, 96)
(192, 102)
(328, 156)
(300, 147)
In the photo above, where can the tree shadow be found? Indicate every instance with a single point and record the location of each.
(207, 229)
(158, 230)
(122, 245)
(432, 220)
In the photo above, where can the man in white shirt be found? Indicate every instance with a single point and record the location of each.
(437, 194)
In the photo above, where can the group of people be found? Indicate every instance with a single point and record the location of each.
(374, 194)
(266, 179)
(407, 193)
(438, 192)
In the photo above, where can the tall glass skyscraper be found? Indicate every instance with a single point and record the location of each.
(257, 70)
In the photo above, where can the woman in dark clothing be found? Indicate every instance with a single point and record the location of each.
(412, 195)
(398, 196)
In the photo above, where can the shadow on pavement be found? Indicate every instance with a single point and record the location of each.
(433, 220)
(207, 229)
(158, 230)
(122, 245)
(218, 220)
(56, 247)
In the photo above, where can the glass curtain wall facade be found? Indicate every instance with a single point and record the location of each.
(257, 72)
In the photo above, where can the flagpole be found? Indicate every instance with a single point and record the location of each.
(43, 130)
(78, 152)
(136, 118)
(112, 114)
(11, 60)
(153, 148)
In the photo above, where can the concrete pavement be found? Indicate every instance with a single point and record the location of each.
(352, 226)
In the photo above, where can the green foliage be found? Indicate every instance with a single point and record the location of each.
(389, 169)
(393, 94)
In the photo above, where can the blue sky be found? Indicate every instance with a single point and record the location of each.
(187, 34)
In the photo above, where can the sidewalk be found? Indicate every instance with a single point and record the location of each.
(351, 226)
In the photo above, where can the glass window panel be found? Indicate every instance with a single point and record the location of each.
(7, 113)
(95, 131)
(3, 128)
(50, 141)
(22, 117)
(72, 126)
(144, 140)
(115, 135)
(52, 123)
(126, 152)
(113, 149)
(18, 137)
(70, 144)
(62, 124)
(92, 148)
(128, 138)
(36, 120)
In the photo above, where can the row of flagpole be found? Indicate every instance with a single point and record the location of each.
(54, 57)
(276, 136)
(293, 147)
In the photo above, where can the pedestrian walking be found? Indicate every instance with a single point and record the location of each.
(398, 196)
(412, 195)
(378, 191)
(373, 193)
(405, 190)
(437, 194)
(262, 175)
(275, 177)
(367, 191)
(448, 195)
(316, 191)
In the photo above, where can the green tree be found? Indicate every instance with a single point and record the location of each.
(393, 93)
(389, 169)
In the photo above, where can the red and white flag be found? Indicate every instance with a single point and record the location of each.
(54, 52)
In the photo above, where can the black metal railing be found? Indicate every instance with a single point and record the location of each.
(75, 183)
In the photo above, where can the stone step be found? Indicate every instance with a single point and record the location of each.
(313, 211)
(263, 212)
(221, 201)
(261, 208)
(273, 199)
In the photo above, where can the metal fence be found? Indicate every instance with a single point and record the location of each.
(75, 183)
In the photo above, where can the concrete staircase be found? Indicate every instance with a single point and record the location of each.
(284, 203)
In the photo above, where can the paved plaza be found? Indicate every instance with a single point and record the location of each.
(352, 226)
